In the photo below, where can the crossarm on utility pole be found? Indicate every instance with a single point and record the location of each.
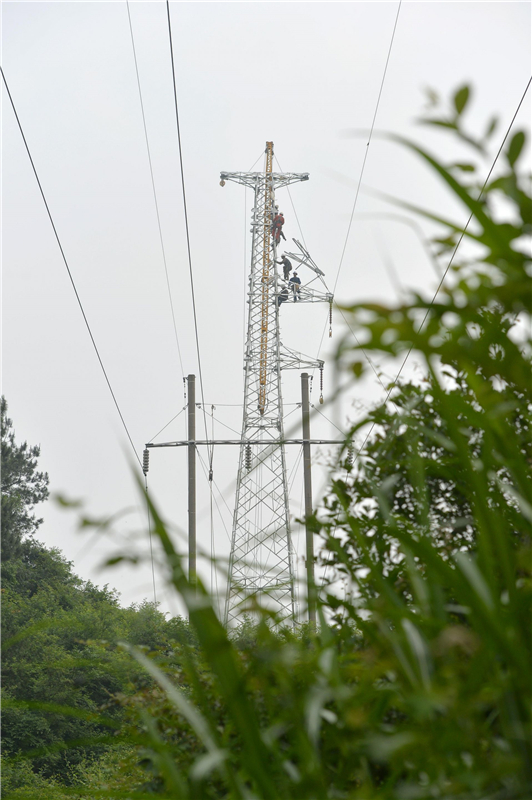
(239, 442)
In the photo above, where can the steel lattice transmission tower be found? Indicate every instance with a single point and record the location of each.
(261, 560)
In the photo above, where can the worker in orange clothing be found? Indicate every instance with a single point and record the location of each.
(277, 227)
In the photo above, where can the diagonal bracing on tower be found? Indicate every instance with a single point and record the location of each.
(261, 559)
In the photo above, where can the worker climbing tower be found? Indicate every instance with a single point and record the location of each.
(261, 559)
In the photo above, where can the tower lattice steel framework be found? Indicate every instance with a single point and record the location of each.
(261, 559)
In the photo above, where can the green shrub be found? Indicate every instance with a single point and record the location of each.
(416, 683)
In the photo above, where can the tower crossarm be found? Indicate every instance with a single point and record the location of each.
(279, 179)
(308, 295)
(291, 359)
(303, 292)
(304, 259)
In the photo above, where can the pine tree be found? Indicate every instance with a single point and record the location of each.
(23, 486)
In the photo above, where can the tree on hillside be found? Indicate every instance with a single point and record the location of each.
(23, 486)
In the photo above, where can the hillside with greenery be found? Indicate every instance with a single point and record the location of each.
(62, 669)
(416, 682)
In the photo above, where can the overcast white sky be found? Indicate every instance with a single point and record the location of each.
(300, 74)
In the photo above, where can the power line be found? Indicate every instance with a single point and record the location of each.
(327, 418)
(355, 337)
(393, 385)
(205, 472)
(293, 206)
(153, 187)
(256, 162)
(68, 269)
(167, 424)
(413, 225)
(165, 270)
(360, 449)
(225, 424)
(367, 147)
(186, 215)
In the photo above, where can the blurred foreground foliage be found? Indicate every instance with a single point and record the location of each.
(416, 683)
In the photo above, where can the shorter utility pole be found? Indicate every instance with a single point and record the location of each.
(192, 479)
(307, 478)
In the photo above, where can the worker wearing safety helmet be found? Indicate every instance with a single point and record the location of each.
(287, 266)
(277, 225)
(295, 283)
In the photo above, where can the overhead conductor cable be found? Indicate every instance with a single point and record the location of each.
(153, 188)
(370, 362)
(69, 272)
(394, 383)
(186, 222)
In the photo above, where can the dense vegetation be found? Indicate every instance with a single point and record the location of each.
(61, 665)
(416, 683)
